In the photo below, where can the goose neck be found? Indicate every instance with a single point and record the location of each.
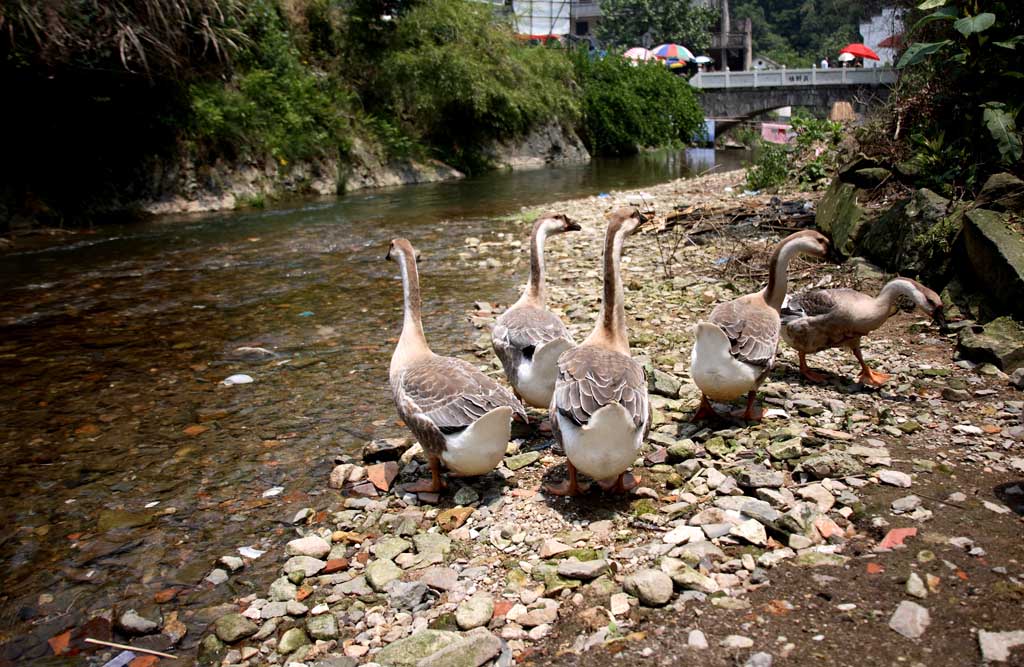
(611, 323)
(412, 344)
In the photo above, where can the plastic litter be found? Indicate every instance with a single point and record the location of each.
(306, 313)
(273, 491)
(249, 552)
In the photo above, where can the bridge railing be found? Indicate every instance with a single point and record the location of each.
(776, 78)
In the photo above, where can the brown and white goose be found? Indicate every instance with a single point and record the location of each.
(735, 348)
(600, 412)
(824, 318)
(528, 338)
(459, 415)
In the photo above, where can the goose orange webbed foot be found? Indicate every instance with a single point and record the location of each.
(873, 378)
(567, 487)
(705, 411)
(624, 483)
(425, 486)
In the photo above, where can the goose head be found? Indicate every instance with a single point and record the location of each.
(556, 223)
(626, 219)
(401, 248)
(923, 298)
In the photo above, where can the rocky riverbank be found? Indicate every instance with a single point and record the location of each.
(852, 526)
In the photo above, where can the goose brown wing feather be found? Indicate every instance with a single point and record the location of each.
(590, 378)
(443, 393)
(752, 330)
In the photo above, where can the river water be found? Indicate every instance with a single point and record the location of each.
(130, 468)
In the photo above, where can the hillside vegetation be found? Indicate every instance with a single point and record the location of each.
(107, 92)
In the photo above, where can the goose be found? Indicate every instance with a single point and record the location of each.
(735, 348)
(600, 411)
(824, 318)
(461, 417)
(528, 338)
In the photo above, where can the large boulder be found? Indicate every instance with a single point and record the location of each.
(916, 236)
(1002, 192)
(995, 254)
(1000, 342)
(840, 214)
(841, 217)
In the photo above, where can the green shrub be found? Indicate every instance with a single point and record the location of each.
(457, 77)
(771, 167)
(628, 106)
(275, 104)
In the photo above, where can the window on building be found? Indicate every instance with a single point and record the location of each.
(582, 28)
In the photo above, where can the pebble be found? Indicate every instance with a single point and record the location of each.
(996, 646)
(474, 611)
(760, 659)
(736, 642)
(910, 619)
(310, 545)
(652, 587)
(586, 569)
(916, 587)
(697, 640)
(894, 478)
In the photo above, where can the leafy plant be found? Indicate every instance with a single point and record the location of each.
(627, 23)
(771, 167)
(627, 106)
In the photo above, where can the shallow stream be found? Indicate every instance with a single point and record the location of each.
(129, 468)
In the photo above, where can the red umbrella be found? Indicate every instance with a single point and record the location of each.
(860, 51)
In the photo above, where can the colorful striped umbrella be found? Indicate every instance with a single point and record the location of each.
(673, 52)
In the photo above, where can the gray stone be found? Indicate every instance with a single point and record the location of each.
(916, 587)
(1002, 192)
(292, 640)
(1000, 342)
(686, 577)
(441, 578)
(308, 565)
(385, 449)
(1017, 378)
(310, 545)
(275, 609)
(831, 464)
(474, 611)
(760, 659)
(133, 623)
(681, 450)
(894, 478)
(467, 495)
(323, 626)
(388, 547)
(356, 586)
(233, 627)
(521, 460)
(661, 383)
(585, 569)
(996, 646)
(737, 641)
(697, 640)
(905, 504)
(841, 217)
(474, 648)
(996, 256)
(786, 449)
(910, 619)
(232, 563)
(756, 478)
(652, 587)
(217, 576)
(752, 531)
(432, 543)
(409, 651)
(405, 594)
(380, 573)
(915, 236)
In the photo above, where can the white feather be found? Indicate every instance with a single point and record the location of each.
(536, 377)
(479, 448)
(720, 375)
(606, 446)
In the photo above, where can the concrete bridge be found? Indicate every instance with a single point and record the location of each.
(735, 96)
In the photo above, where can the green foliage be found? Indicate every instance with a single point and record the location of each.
(457, 77)
(628, 106)
(275, 105)
(808, 160)
(799, 33)
(624, 23)
(770, 168)
(968, 56)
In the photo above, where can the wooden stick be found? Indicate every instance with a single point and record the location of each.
(90, 640)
